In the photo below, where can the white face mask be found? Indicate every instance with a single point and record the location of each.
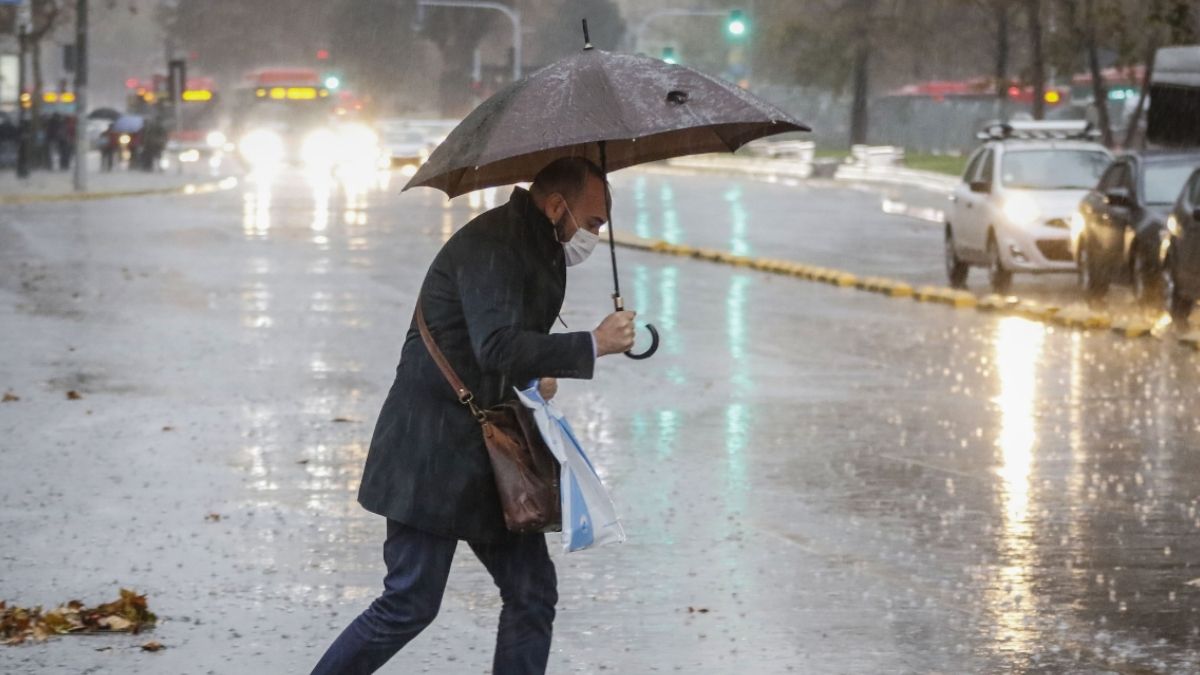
(581, 244)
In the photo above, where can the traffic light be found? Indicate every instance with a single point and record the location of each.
(668, 55)
(332, 82)
(322, 54)
(737, 23)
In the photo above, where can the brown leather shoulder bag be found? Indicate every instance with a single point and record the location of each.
(526, 472)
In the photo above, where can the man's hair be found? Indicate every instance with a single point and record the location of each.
(567, 176)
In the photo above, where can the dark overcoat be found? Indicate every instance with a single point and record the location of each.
(490, 298)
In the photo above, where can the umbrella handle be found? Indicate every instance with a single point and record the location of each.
(653, 345)
(619, 304)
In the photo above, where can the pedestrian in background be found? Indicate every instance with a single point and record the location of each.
(490, 298)
(110, 144)
(65, 142)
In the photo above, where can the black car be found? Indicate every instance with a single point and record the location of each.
(1181, 258)
(1124, 222)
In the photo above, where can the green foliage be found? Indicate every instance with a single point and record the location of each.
(947, 164)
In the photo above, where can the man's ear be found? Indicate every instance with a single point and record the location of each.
(556, 205)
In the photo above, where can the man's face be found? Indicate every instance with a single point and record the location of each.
(588, 208)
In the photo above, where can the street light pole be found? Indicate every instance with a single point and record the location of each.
(513, 14)
(81, 83)
(24, 145)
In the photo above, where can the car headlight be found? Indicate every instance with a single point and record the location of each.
(262, 147)
(1077, 225)
(1173, 226)
(1021, 209)
(320, 148)
(214, 139)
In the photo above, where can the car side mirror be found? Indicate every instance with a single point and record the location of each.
(1118, 197)
(981, 186)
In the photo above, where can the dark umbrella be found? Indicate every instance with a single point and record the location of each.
(616, 109)
(104, 114)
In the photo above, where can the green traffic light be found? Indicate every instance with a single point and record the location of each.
(332, 82)
(737, 23)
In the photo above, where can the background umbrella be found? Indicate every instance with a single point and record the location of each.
(109, 114)
(618, 110)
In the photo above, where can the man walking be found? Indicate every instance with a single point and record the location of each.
(490, 298)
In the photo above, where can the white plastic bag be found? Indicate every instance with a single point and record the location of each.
(588, 515)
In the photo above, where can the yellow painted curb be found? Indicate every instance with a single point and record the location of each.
(1191, 339)
(1076, 316)
(189, 189)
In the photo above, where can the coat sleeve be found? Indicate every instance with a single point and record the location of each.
(490, 288)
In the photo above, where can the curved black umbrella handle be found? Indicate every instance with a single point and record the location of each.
(653, 345)
(619, 304)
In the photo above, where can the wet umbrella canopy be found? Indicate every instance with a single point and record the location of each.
(645, 109)
(618, 110)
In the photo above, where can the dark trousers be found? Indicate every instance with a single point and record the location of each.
(418, 564)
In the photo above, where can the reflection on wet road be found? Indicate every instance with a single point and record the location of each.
(812, 479)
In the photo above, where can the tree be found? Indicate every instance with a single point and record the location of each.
(559, 32)
(457, 32)
(1099, 91)
(1033, 16)
(859, 110)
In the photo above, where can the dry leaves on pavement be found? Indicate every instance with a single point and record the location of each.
(129, 614)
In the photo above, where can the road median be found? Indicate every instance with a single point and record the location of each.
(1135, 325)
(188, 188)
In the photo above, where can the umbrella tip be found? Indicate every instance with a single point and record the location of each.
(587, 39)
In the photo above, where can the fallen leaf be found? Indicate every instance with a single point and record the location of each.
(152, 646)
(9, 397)
(74, 395)
(113, 622)
(213, 517)
(342, 420)
(1193, 582)
(302, 461)
(168, 428)
(104, 649)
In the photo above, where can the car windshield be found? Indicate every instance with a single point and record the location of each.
(1164, 181)
(1052, 169)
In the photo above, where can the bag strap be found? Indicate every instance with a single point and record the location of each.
(465, 396)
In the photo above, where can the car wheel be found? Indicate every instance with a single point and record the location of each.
(956, 270)
(1179, 307)
(999, 278)
(1093, 286)
(1147, 282)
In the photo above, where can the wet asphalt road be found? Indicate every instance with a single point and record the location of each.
(812, 479)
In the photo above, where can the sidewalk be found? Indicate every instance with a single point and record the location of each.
(791, 168)
(43, 186)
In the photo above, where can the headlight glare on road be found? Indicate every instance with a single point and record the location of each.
(1020, 209)
(320, 148)
(262, 147)
(359, 147)
(215, 139)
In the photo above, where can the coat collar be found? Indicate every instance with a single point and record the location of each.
(521, 209)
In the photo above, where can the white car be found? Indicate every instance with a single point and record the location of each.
(1012, 210)
(409, 142)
